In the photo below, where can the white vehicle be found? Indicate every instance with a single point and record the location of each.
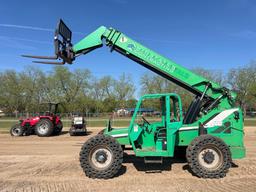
(78, 126)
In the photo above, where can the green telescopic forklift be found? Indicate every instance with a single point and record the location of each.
(211, 129)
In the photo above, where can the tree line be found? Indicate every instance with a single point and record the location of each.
(79, 90)
(76, 90)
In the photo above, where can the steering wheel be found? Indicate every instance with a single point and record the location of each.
(145, 120)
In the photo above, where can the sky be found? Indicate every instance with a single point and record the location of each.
(219, 34)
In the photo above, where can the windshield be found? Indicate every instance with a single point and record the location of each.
(151, 109)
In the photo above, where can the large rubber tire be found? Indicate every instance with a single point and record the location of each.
(44, 128)
(58, 128)
(208, 157)
(17, 130)
(101, 157)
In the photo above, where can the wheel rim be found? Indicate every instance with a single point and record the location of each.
(101, 158)
(16, 131)
(210, 158)
(43, 128)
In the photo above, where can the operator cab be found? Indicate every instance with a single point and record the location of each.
(154, 131)
(48, 109)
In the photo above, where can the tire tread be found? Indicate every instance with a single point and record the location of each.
(116, 149)
(193, 150)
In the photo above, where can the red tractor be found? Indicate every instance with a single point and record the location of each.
(44, 125)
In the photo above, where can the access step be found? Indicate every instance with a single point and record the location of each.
(153, 160)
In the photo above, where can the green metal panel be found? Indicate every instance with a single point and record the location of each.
(120, 134)
(150, 58)
(237, 152)
(232, 135)
(91, 41)
(177, 133)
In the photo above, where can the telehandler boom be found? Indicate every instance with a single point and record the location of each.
(211, 129)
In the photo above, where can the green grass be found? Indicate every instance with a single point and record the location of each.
(250, 122)
(7, 123)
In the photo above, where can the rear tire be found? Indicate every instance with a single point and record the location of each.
(101, 157)
(44, 128)
(58, 128)
(208, 157)
(17, 130)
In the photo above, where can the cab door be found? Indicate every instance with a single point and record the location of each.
(173, 121)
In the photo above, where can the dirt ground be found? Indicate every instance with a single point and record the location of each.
(52, 164)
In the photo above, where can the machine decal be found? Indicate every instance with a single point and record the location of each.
(217, 121)
(123, 39)
(225, 127)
